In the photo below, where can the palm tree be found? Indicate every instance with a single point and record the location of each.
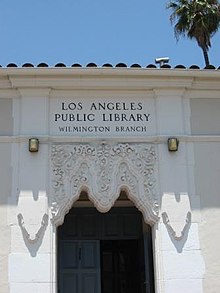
(196, 19)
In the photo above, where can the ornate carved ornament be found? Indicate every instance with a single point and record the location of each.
(103, 170)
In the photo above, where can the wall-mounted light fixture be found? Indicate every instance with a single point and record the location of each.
(33, 145)
(173, 144)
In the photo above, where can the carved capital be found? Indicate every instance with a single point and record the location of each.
(103, 170)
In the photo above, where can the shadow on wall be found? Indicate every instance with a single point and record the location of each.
(177, 217)
(178, 241)
(33, 243)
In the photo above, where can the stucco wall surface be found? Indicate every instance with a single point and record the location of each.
(205, 120)
(5, 229)
(207, 170)
(185, 199)
(6, 119)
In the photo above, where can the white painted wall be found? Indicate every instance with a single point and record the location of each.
(29, 260)
(5, 190)
(187, 181)
(205, 119)
(183, 264)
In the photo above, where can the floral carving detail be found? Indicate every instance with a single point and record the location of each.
(122, 150)
(84, 150)
(103, 170)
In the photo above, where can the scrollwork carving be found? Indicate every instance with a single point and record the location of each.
(103, 170)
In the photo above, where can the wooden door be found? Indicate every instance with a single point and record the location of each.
(104, 253)
(79, 266)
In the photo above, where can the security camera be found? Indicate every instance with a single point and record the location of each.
(162, 60)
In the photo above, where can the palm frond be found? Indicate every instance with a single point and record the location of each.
(196, 19)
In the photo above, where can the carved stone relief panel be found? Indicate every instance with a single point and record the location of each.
(103, 170)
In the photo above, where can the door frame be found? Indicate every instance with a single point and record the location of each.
(157, 258)
(155, 255)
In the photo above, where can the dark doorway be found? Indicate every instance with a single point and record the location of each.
(104, 253)
(122, 266)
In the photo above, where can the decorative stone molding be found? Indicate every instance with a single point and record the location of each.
(170, 228)
(41, 230)
(150, 139)
(103, 170)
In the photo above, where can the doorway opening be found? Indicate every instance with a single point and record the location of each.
(122, 266)
(105, 252)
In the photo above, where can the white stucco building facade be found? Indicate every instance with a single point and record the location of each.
(102, 136)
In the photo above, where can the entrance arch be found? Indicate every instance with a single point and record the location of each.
(103, 170)
(105, 252)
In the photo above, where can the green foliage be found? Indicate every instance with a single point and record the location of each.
(195, 19)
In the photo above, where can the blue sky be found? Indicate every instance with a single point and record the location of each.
(100, 31)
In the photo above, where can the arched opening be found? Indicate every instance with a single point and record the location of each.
(105, 252)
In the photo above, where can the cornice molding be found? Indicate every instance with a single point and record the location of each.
(9, 93)
(109, 78)
(56, 71)
(4, 81)
(34, 92)
(170, 92)
(148, 139)
(203, 93)
(113, 83)
(126, 93)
